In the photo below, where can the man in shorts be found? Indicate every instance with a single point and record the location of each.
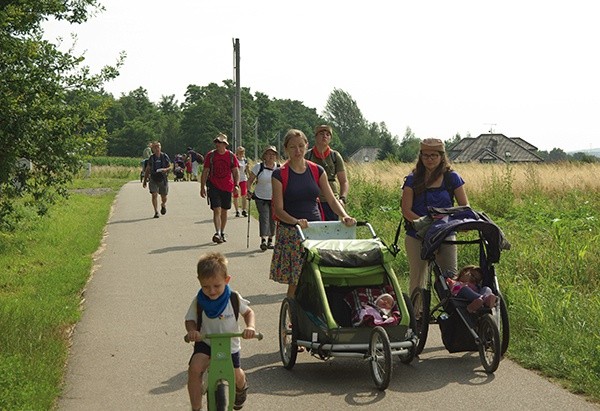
(155, 175)
(221, 176)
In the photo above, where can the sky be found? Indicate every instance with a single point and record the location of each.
(527, 69)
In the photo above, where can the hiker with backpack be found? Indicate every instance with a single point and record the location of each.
(220, 177)
(263, 193)
(432, 183)
(333, 163)
(215, 310)
(155, 175)
(296, 189)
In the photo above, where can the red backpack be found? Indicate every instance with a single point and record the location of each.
(285, 175)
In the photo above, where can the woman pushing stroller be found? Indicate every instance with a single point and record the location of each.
(296, 188)
(432, 183)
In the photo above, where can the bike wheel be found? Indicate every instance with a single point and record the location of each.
(221, 396)
(421, 300)
(380, 357)
(407, 359)
(489, 343)
(504, 325)
(288, 333)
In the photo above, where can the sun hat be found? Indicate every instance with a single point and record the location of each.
(323, 127)
(432, 144)
(270, 148)
(221, 138)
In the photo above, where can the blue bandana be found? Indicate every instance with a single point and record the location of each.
(214, 308)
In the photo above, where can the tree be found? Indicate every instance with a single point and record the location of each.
(47, 117)
(134, 122)
(409, 147)
(557, 154)
(343, 114)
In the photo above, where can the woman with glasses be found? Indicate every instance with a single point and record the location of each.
(431, 183)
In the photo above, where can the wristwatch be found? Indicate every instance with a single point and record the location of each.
(342, 198)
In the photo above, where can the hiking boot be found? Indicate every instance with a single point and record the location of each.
(237, 213)
(223, 239)
(156, 214)
(163, 209)
(270, 244)
(217, 238)
(263, 245)
(475, 305)
(244, 213)
(240, 398)
(489, 300)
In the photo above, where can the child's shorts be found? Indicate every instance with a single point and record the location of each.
(204, 348)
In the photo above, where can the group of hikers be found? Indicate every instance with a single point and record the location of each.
(311, 185)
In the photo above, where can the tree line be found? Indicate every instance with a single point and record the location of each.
(133, 120)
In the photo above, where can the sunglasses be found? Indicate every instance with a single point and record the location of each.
(433, 156)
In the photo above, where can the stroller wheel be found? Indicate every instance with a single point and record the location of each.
(421, 300)
(380, 358)
(288, 333)
(407, 359)
(489, 343)
(504, 324)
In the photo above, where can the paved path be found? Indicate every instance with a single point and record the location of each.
(128, 352)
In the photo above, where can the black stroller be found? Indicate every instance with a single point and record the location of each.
(486, 330)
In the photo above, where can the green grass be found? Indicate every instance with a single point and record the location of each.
(549, 277)
(46, 264)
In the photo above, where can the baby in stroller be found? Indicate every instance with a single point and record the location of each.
(372, 307)
(179, 168)
(467, 285)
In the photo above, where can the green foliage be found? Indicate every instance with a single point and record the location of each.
(498, 197)
(45, 267)
(549, 276)
(50, 113)
(342, 112)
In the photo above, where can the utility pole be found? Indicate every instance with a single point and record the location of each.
(256, 138)
(237, 104)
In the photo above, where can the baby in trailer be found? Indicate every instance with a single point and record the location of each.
(467, 285)
(379, 313)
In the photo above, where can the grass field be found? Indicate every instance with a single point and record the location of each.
(550, 214)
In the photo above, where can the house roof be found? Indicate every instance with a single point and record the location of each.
(369, 153)
(493, 148)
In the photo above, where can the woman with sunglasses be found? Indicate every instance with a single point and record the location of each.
(431, 183)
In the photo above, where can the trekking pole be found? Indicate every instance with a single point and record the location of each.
(248, 232)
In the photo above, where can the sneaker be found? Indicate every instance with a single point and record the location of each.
(240, 398)
(163, 209)
(156, 214)
(490, 300)
(223, 239)
(475, 305)
(237, 213)
(263, 245)
(217, 238)
(270, 244)
(244, 213)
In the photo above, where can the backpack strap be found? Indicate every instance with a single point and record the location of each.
(285, 175)
(234, 298)
(262, 167)
(448, 184)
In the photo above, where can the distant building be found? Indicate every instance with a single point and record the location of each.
(493, 148)
(365, 155)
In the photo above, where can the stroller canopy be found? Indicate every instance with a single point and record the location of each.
(347, 253)
(449, 220)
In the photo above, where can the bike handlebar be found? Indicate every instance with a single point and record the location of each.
(257, 335)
